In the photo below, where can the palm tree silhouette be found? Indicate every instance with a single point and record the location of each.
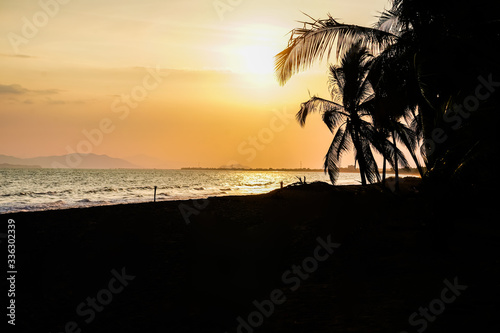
(391, 106)
(348, 116)
(423, 46)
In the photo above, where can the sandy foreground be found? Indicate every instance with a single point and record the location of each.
(309, 258)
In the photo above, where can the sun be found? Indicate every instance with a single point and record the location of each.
(257, 59)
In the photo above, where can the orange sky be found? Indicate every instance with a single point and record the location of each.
(188, 82)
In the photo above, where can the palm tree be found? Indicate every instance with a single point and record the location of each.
(312, 42)
(423, 74)
(399, 132)
(442, 48)
(393, 102)
(347, 115)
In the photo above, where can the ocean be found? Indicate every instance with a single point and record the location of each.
(24, 190)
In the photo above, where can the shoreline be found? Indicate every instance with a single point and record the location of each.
(84, 203)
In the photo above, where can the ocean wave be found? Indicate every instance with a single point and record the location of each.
(123, 189)
(257, 184)
(101, 190)
(35, 194)
(52, 189)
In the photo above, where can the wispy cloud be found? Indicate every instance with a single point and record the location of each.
(46, 91)
(51, 101)
(12, 89)
(16, 89)
(56, 102)
(22, 56)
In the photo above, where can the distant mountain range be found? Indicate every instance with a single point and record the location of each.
(76, 161)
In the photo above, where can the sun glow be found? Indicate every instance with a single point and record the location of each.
(257, 59)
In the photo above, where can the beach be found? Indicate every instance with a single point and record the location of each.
(250, 166)
(308, 258)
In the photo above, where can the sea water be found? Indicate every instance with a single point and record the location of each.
(44, 189)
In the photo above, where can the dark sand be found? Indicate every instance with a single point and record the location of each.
(395, 253)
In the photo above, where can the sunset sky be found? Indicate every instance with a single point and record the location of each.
(189, 82)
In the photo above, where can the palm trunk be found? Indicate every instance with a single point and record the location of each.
(417, 163)
(384, 168)
(414, 157)
(362, 170)
(360, 157)
(396, 168)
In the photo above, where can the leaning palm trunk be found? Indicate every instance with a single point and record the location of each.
(417, 163)
(396, 168)
(384, 168)
(360, 158)
(409, 138)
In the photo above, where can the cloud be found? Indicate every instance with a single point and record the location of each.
(12, 89)
(20, 94)
(16, 89)
(22, 56)
(56, 102)
(46, 91)
(51, 101)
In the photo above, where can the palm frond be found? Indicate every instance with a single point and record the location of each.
(332, 118)
(376, 137)
(365, 96)
(345, 143)
(365, 90)
(315, 39)
(336, 82)
(405, 135)
(416, 126)
(354, 65)
(340, 143)
(423, 153)
(389, 21)
(367, 107)
(317, 104)
(402, 161)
